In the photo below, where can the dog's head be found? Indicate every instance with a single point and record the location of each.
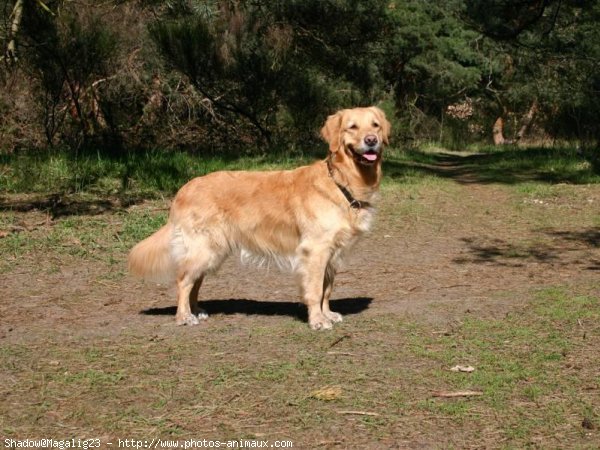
(359, 132)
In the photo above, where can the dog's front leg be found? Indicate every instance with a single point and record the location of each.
(312, 270)
(327, 288)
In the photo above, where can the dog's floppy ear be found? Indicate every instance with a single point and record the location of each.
(386, 127)
(331, 131)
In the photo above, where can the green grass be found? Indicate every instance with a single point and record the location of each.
(167, 387)
(145, 172)
(80, 236)
(151, 172)
(536, 365)
(505, 165)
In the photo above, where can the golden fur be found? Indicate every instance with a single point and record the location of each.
(296, 218)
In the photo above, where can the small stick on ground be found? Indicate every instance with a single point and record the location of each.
(359, 413)
(446, 394)
(340, 339)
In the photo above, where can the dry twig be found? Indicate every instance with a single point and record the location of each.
(446, 394)
(359, 413)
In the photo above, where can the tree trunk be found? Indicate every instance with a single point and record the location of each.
(155, 102)
(498, 132)
(10, 54)
(528, 119)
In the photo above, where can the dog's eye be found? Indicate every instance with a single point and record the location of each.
(375, 125)
(353, 126)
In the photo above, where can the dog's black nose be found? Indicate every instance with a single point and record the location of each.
(371, 140)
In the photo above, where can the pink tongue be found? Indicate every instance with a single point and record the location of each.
(370, 156)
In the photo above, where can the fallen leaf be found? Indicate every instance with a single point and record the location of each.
(327, 393)
(459, 368)
(341, 353)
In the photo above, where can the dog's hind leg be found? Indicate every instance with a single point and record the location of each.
(189, 280)
(200, 255)
(327, 288)
(196, 310)
(187, 287)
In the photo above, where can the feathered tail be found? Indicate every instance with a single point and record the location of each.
(151, 258)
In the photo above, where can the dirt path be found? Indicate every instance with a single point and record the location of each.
(437, 252)
(86, 351)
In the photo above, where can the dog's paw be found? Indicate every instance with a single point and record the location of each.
(189, 319)
(201, 314)
(320, 322)
(333, 316)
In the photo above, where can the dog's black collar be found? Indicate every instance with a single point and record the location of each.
(354, 203)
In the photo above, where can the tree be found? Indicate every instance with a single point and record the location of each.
(261, 63)
(67, 52)
(546, 57)
(430, 60)
(236, 74)
(10, 52)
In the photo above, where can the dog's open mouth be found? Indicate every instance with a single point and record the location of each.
(369, 157)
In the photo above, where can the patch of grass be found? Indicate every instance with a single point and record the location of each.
(143, 172)
(275, 371)
(556, 304)
(15, 245)
(392, 367)
(522, 359)
(81, 236)
(56, 171)
(148, 173)
(90, 378)
(139, 224)
(551, 165)
(539, 191)
(507, 165)
(536, 367)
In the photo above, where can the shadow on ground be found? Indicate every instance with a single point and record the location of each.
(506, 254)
(247, 307)
(64, 205)
(518, 254)
(510, 166)
(589, 237)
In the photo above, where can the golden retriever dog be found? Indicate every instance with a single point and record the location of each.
(303, 219)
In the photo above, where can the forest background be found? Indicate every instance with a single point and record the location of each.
(237, 77)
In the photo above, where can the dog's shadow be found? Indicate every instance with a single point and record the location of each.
(297, 310)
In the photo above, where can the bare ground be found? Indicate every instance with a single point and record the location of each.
(439, 253)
